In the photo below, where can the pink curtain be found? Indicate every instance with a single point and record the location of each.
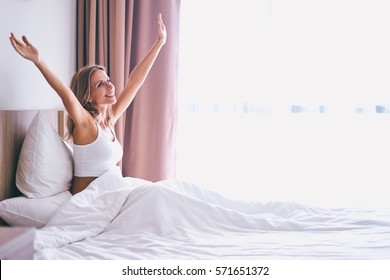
(117, 34)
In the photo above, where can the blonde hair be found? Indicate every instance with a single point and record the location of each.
(81, 87)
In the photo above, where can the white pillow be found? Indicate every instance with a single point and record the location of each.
(45, 165)
(24, 212)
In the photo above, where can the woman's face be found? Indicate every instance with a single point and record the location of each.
(102, 90)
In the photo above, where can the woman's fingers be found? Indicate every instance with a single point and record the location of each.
(15, 41)
(160, 21)
(25, 40)
(161, 27)
(19, 47)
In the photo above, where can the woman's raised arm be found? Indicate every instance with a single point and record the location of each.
(140, 72)
(71, 103)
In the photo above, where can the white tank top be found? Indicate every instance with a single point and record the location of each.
(92, 160)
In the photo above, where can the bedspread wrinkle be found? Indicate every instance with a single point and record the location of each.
(129, 218)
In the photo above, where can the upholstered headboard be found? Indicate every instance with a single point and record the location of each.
(13, 128)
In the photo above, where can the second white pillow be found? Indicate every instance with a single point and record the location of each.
(45, 165)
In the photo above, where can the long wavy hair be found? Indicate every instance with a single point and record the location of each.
(81, 87)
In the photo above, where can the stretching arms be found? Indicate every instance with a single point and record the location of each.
(29, 52)
(78, 114)
(140, 72)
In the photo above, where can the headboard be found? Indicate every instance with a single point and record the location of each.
(13, 128)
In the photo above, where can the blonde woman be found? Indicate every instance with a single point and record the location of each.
(93, 108)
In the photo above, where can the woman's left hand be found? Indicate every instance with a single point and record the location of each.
(162, 31)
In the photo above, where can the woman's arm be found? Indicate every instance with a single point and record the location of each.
(140, 72)
(71, 103)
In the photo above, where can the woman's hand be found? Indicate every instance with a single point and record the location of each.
(162, 32)
(26, 49)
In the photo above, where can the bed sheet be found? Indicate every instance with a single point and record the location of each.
(128, 218)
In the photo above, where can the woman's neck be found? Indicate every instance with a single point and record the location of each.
(102, 116)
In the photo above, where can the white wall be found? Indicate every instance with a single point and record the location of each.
(50, 26)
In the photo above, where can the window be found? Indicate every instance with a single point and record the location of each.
(286, 100)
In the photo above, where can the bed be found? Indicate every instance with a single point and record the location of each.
(119, 218)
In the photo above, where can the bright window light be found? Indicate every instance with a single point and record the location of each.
(286, 100)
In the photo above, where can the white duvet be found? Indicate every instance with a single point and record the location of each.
(128, 218)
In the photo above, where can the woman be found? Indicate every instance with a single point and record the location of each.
(93, 108)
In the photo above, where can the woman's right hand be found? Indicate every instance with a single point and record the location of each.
(26, 49)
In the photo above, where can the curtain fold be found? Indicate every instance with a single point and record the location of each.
(117, 34)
